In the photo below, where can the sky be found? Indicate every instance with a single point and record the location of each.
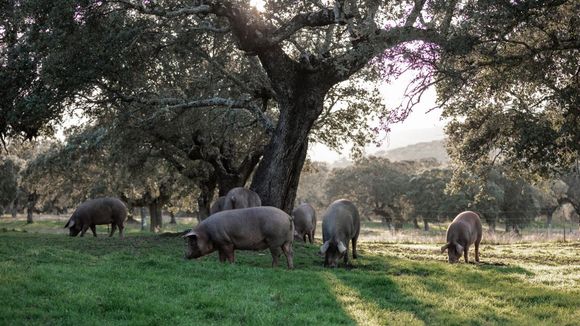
(420, 126)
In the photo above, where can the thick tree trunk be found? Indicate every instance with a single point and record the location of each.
(172, 215)
(276, 178)
(426, 224)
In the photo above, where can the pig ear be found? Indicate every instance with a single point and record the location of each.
(324, 247)
(69, 224)
(444, 248)
(459, 248)
(341, 247)
(190, 234)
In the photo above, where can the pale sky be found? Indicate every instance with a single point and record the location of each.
(420, 126)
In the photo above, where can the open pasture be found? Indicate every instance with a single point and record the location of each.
(48, 278)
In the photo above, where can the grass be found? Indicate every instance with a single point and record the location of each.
(52, 279)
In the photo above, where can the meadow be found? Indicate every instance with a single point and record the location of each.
(48, 278)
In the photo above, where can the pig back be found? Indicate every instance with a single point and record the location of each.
(241, 197)
(341, 221)
(254, 228)
(101, 211)
(465, 228)
(304, 218)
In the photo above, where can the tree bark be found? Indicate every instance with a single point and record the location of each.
(172, 215)
(426, 224)
(204, 199)
(31, 202)
(276, 178)
(155, 214)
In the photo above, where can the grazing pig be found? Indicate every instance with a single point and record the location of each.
(95, 212)
(254, 228)
(218, 205)
(464, 231)
(340, 224)
(241, 197)
(304, 222)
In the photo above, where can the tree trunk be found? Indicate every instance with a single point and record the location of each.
(416, 223)
(491, 225)
(204, 199)
(549, 219)
(155, 213)
(172, 218)
(14, 208)
(276, 178)
(143, 218)
(426, 223)
(32, 198)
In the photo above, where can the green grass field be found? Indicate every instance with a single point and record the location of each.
(52, 279)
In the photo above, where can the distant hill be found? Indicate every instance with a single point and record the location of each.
(433, 149)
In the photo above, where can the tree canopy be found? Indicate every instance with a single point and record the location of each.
(284, 65)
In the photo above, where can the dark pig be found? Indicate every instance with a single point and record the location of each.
(218, 205)
(254, 228)
(464, 231)
(241, 197)
(304, 222)
(340, 224)
(96, 212)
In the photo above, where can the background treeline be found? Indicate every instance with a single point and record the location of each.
(53, 177)
(422, 191)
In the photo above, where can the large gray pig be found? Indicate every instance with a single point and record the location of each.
(218, 205)
(241, 197)
(464, 231)
(96, 212)
(255, 228)
(340, 224)
(304, 222)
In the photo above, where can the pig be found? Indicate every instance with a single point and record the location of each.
(96, 212)
(304, 222)
(254, 228)
(218, 205)
(340, 224)
(241, 197)
(464, 231)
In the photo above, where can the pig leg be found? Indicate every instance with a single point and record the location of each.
(113, 227)
(346, 258)
(354, 255)
(229, 252)
(304, 237)
(94, 229)
(477, 251)
(275, 251)
(84, 230)
(311, 236)
(466, 254)
(287, 248)
(222, 255)
(121, 227)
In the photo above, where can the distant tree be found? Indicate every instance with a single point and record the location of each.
(311, 187)
(375, 184)
(9, 173)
